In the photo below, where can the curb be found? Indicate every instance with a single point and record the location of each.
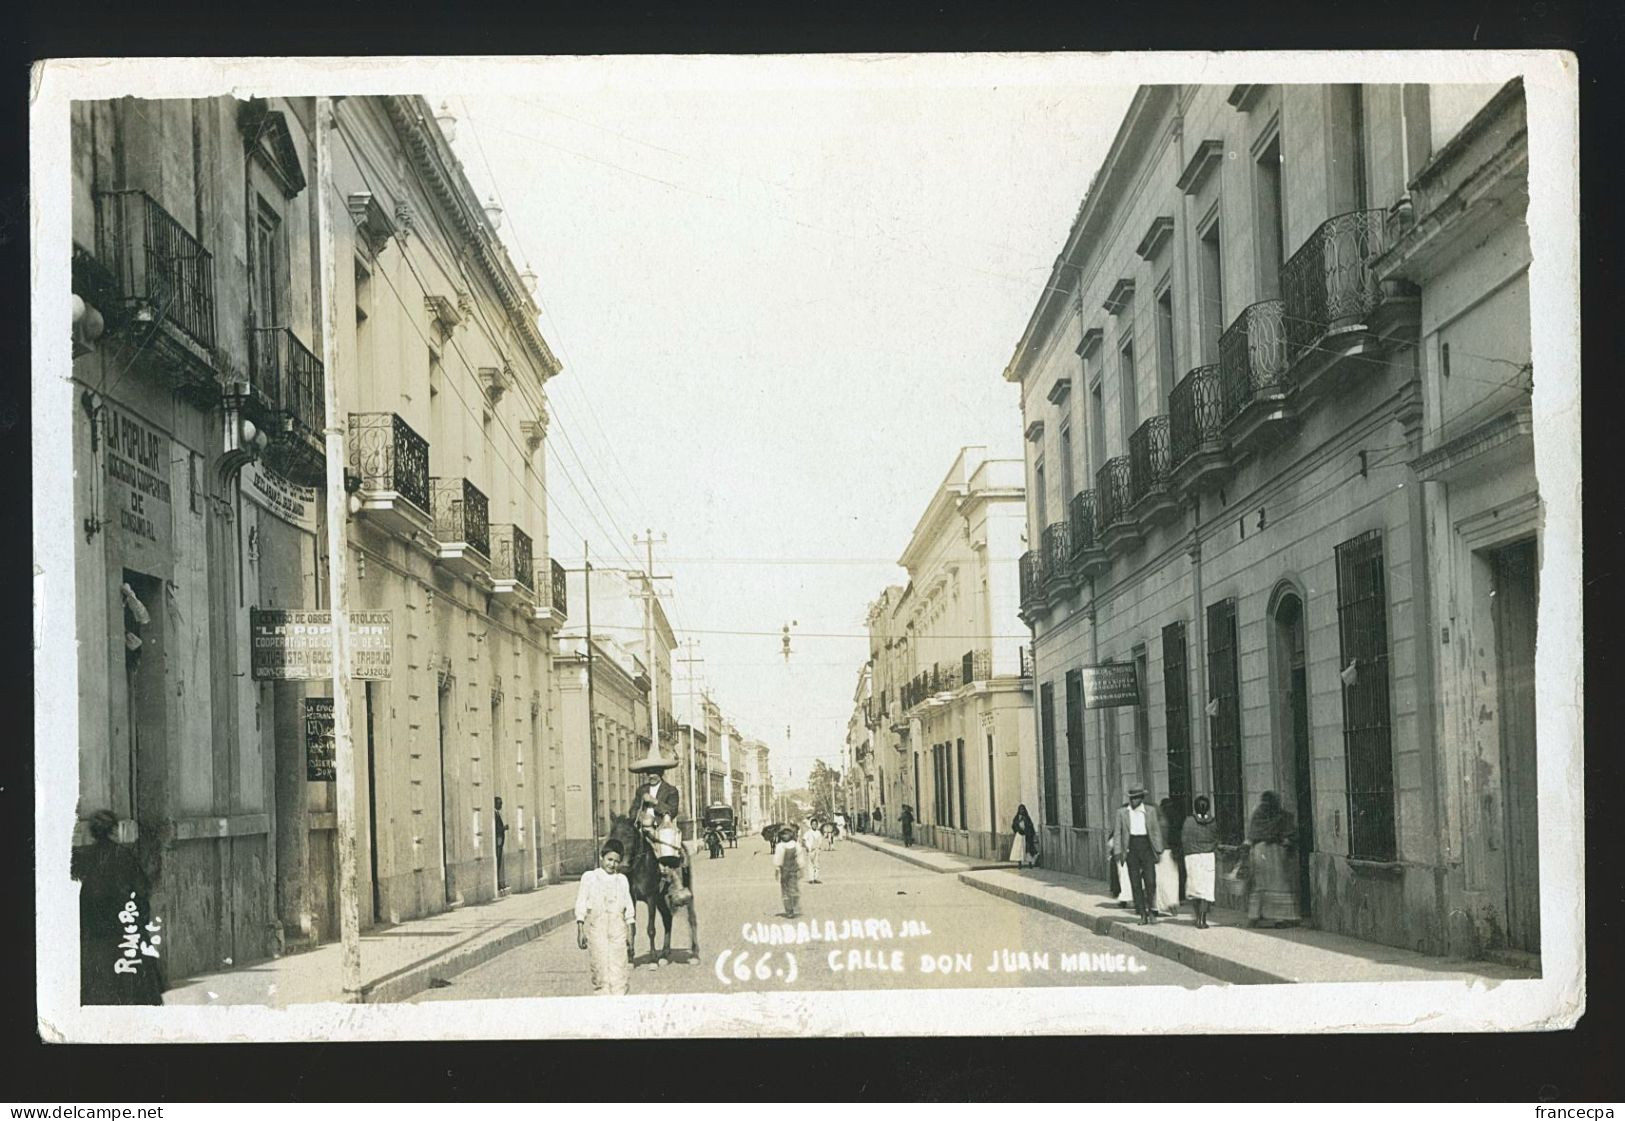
(1142, 937)
(920, 862)
(414, 979)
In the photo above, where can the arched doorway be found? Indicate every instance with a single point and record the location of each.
(1290, 688)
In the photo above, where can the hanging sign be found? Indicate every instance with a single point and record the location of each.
(288, 500)
(319, 765)
(298, 645)
(136, 461)
(1110, 686)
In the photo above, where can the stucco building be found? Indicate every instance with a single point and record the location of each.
(200, 504)
(1231, 390)
(951, 703)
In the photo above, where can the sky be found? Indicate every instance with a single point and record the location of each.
(781, 311)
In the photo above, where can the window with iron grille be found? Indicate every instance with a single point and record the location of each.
(1046, 733)
(1362, 633)
(1176, 703)
(1225, 723)
(1074, 746)
(964, 818)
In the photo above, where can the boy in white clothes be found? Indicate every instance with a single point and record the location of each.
(606, 922)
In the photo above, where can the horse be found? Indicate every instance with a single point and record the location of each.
(642, 872)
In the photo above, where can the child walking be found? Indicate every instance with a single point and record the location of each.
(789, 859)
(606, 922)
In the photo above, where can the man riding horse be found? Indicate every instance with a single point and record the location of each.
(654, 807)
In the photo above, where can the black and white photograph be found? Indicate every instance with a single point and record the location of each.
(973, 545)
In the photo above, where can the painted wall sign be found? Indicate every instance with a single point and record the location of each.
(319, 764)
(293, 503)
(298, 645)
(1110, 686)
(136, 461)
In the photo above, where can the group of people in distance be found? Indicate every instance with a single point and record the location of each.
(1146, 876)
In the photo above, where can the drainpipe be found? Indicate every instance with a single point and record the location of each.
(1196, 654)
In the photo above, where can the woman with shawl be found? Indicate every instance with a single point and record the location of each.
(1024, 850)
(1200, 838)
(1121, 887)
(1167, 900)
(1271, 896)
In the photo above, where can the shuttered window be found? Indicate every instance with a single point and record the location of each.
(1224, 725)
(1074, 747)
(1046, 735)
(1362, 634)
(1176, 703)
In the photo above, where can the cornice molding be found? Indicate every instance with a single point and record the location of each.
(1207, 156)
(1121, 295)
(1156, 236)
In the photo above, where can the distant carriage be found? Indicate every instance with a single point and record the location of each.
(720, 818)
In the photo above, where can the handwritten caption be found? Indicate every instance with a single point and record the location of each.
(133, 947)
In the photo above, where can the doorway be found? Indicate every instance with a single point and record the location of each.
(1516, 594)
(372, 806)
(443, 713)
(1292, 689)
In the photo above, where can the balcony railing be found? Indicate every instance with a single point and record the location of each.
(556, 582)
(462, 513)
(1148, 458)
(388, 455)
(159, 266)
(1253, 357)
(513, 556)
(1081, 511)
(1328, 283)
(1195, 414)
(1032, 576)
(1112, 492)
(1057, 549)
(1026, 661)
(287, 376)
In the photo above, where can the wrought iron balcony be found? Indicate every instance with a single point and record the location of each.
(1059, 576)
(389, 466)
(550, 607)
(1088, 551)
(1027, 661)
(1254, 375)
(462, 527)
(1032, 579)
(1114, 521)
(286, 376)
(1197, 449)
(513, 572)
(163, 275)
(1328, 284)
(1151, 496)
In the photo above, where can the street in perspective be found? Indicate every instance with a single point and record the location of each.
(543, 543)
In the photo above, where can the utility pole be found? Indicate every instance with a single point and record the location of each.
(648, 541)
(338, 547)
(692, 788)
(592, 721)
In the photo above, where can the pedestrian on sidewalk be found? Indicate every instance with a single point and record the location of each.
(1139, 838)
(789, 862)
(501, 831)
(878, 820)
(1167, 901)
(606, 922)
(1271, 896)
(1117, 867)
(906, 820)
(1024, 849)
(1200, 836)
(810, 842)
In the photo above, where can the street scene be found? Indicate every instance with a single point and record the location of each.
(536, 543)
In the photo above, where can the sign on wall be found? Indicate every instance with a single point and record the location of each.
(1110, 686)
(298, 645)
(136, 462)
(288, 500)
(319, 764)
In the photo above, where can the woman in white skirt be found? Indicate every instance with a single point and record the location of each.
(1125, 888)
(1167, 897)
(1199, 837)
(1024, 849)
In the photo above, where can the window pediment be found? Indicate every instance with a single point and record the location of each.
(268, 140)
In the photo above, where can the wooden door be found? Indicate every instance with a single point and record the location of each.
(1516, 598)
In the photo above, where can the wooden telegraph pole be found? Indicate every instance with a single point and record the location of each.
(338, 521)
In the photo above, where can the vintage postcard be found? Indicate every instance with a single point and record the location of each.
(798, 546)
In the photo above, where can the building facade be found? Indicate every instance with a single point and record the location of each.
(199, 447)
(953, 707)
(1226, 402)
(605, 729)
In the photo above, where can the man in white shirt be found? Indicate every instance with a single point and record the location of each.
(606, 922)
(1139, 836)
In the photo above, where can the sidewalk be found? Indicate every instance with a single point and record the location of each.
(1228, 950)
(397, 962)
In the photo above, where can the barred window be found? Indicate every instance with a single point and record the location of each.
(1176, 703)
(1225, 722)
(964, 818)
(1074, 746)
(1362, 633)
(1046, 734)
